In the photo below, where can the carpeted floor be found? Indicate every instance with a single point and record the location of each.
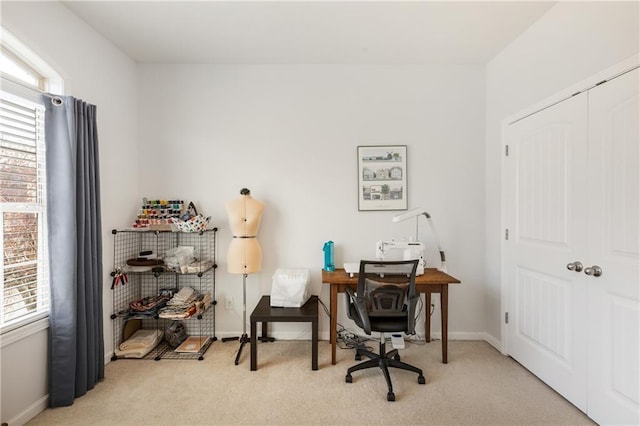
(478, 386)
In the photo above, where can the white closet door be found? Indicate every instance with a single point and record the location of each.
(546, 216)
(614, 330)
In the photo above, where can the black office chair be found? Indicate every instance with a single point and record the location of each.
(385, 301)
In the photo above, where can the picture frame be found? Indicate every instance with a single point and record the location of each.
(382, 177)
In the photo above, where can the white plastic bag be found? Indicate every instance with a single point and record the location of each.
(179, 256)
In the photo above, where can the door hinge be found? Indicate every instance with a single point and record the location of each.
(506, 150)
(506, 234)
(506, 317)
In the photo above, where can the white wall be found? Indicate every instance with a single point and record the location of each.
(570, 43)
(289, 133)
(97, 72)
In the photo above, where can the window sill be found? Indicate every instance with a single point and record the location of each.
(24, 331)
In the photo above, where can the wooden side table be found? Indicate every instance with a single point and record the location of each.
(264, 313)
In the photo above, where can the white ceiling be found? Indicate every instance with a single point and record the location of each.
(305, 32)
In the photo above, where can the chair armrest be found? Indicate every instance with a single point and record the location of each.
(361, 308)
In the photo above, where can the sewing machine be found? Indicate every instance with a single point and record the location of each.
(394, 250)
(405, 250)
(401, 250)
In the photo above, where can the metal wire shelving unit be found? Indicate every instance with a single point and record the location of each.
(134, 283)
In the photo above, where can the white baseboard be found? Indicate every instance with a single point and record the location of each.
(493, 342)
(461, 335)
(324, 336)
(306, 335)
(31, 411)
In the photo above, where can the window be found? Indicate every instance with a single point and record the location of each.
(23, 228)
(23, 236)
(16, 70)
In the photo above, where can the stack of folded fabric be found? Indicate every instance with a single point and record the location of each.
(139, 344)
(186, 303)
(186, 295)
(196, 266)
(148, 306)
(203, 302)
(178, 312)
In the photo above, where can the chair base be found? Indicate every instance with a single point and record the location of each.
(384, 361)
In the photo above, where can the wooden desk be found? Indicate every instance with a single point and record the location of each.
(432, 281)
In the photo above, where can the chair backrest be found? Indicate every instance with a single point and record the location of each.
(389, 288)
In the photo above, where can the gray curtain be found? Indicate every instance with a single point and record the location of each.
(76, 344)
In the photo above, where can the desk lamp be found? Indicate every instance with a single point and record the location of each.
(417, 213)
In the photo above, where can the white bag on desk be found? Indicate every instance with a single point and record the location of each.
(290, 288)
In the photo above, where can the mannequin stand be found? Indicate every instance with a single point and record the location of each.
(244, 339)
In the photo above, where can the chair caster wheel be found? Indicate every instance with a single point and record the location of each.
(348, 378)
(397, 357)
(421, 380)
(358, 357)
(391, 396)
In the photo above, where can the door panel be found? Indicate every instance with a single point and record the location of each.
(542, 176)
(614, 297)
(550, 332)
(547, 302)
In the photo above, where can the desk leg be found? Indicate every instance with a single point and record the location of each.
(314, 344)
(444, 311)
(254, 347)
(333, 326)
(427, 321)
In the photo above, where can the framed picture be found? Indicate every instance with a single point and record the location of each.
(382, 177)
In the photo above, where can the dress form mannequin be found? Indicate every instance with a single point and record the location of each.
(245, 254)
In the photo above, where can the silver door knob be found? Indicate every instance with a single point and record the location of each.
(594, 270)
(575, 266)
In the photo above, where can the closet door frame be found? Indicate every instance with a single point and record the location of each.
(589, 83)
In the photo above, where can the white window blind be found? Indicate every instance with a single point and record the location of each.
(23, 236)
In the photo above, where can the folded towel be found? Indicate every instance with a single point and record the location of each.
(139, 344)
(183, 296)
